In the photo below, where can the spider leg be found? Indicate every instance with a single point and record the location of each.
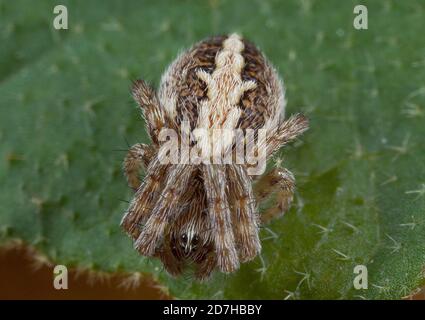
(280, 182)
(167, 207)
(220, 217)
(170, 262)
(137, 158)
(282, 179)
(145, 198)
(245, 214)
(148, 191)
(286, 131)
(206, 266)
(148, 101)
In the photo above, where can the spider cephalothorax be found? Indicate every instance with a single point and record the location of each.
(205, 214)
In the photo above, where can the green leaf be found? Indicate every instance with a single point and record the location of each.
(65, 109)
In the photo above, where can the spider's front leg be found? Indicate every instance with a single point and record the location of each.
(137, 158)
(147, 192)
(244, 211)
(281, 182)
(146, 195)
(220, 217)
(173, 265)
(206, 266)
(166, 208)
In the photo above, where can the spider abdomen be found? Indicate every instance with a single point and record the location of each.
(182, 88)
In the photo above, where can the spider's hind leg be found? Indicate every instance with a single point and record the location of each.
(281, 182)
(148, 101)
(137, 158)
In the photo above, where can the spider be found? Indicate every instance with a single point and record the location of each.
(205, 216)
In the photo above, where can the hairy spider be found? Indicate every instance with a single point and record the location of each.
(206, 215)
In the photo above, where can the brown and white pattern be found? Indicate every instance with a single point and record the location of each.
(206, 215)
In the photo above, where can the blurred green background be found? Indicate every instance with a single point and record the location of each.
(65, 110)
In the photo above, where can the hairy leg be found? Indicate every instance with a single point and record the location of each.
(137, 158)
(280, 182)
(220, 217)
(148, 191)
(166, 207)
(148, 101)
(286, 131)
(170, 262)
(142, 204)
(244, 212)
(206, 266)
